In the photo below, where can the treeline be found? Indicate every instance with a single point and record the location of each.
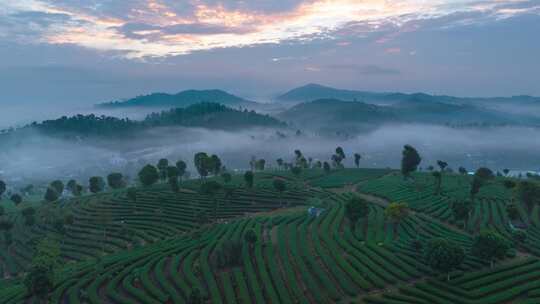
(207, 115)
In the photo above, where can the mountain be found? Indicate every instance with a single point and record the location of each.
(313, 92)
(182, 99)
(334, 115)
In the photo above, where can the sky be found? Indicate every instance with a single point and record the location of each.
(65, 52)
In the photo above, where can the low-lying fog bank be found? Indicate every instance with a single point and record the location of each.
(41, 159)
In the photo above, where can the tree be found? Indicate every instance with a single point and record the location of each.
(96, 184)
(442, 165)
(519, 236)
(462, 171)
(51, 195)
(181, 166)
(355, 209)
(260, 164)
(528, 193)
(396, 212)
(227, 177)
(211, 188)
(3, 188)
(340, 153)
(357, 158)
(16, 198)
(173, 183)
(250, 238)
(443, 256)
(40, 280)
(201, 161)
(71, 186)
(279, 162)
(461, 209)
(410, 161)
(506, 171)
(162, 167)
(438, 181)
(489, 245)
(148, 175)
(214, 164)
(172, 172)
(248, 178)
(58, 186)
(481, 177)
(280, 186)
(326, 167)
(116, 180)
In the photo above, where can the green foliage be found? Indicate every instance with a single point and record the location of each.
(248, 179)
(396, 212)
(296, 170)
(519, 236)
(512, 211)
(51, 195)
(528, 193)
(227, 177)
(182, 166)
(229, 254)
(443, 255)
(16, 198)
(148, 175)
(96, 184)
(461, 209)
(116, 180)
(355, 209)
(2, 187)
(489, 245)
(357, 158)
(410, 160)
(210, 188)
(58, 186)
(250, 237)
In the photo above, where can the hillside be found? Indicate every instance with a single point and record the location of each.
(354, 116)
(167, 247)
(181, 99)
(201, 115)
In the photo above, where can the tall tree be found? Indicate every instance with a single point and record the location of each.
(148, 175)
(212, 188)
(182, 166)
(443, 255)
(356, 208)
(162, 168)
(442, 165)
(58, 186)
(16, 198)
(116, 180)
(461, 209)
(357, 158)
(410, 161)
(96, 184)
(481, 177)
(201, 161)
(248, 178)
(279, 162)
(51, 195)
(326, 167)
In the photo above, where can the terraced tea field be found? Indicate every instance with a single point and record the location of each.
(156, 249)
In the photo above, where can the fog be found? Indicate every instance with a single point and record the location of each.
(39, 159)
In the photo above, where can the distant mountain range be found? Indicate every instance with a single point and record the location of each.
(180, 100)
(313, 92)
(333, 115)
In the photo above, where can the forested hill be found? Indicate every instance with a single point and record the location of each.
(203, 115)
(211, 115)
(353, 116)
(182, 99)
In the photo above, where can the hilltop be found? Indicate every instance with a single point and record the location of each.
(181, 99)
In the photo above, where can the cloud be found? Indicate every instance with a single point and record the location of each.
(161, 28)
(367, 70)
